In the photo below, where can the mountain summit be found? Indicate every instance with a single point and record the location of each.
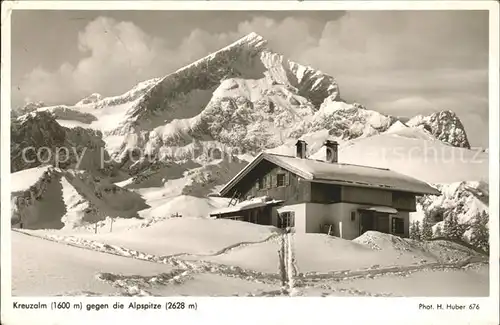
(243, 96)
(192, 86)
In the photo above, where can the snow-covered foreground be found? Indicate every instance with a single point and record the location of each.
(195, 256)
(468, 282)
(41, 267)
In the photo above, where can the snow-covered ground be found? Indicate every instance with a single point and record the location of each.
(259, 256)
(470, 282)
(65, 270)
(373, 251)
(207, 284)
(195, 256)
(185, 235)
(335, 254)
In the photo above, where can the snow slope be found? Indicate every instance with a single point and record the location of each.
(430, 161)
(471, 282)
(66, 270)
(373, 250)
(186, 235)
(24, 179)
(406, 150)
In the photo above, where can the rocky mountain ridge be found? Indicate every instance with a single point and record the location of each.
(244, 96)
(69, 198)
(37, 138)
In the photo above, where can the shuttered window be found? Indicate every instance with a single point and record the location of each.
(286, 219)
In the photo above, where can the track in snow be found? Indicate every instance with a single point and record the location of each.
(292, 282)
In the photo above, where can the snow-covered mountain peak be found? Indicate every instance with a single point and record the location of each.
(252, 39)
(245, 70)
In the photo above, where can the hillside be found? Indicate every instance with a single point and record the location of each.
(52, 198)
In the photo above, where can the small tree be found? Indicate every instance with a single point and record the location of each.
(438, 232)
(452, 228)
(480, 233)
(426, 228)
(415, 233)
(448, 225)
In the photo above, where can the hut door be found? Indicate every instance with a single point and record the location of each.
(367, 221)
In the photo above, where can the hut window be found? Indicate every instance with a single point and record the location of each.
(286, 219)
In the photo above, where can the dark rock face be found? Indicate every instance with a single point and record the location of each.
(37, 139)
(445, 126)
(27, 108)
(31, 132)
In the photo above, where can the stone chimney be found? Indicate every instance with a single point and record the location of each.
(301, 146)
(332, 151)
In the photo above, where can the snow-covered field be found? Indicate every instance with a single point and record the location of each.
(200, 236)
(470, 282)
(65, 270)
(195, 256)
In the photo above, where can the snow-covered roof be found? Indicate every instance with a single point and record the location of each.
(246, 205)
(338, 173)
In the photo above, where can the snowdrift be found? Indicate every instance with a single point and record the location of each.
(372, 250)
(185, 236)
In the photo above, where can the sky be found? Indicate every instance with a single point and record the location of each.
(402, 63)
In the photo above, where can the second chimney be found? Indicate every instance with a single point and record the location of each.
(301, 146)
(332, 151)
